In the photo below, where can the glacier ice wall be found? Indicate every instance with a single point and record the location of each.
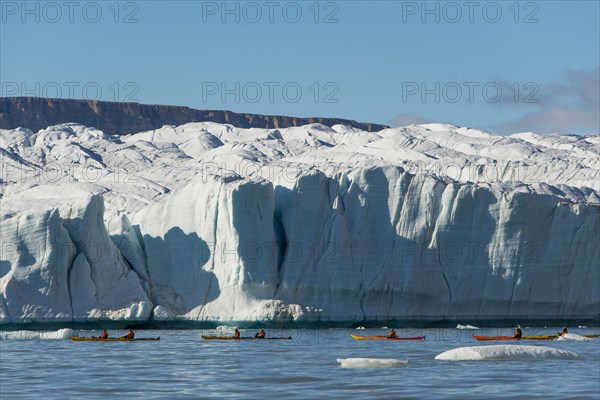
(61, 265)
(373, 244)
(207, 222)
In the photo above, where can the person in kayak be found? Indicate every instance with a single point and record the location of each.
(104, 334)
(260, 334)
(518, 333)
(392, 334)
(564, 331)
(236, 334)
(130, 335)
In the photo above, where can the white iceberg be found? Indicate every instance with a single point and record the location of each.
(573, 336)
(38, 335)
(459, 326)
(370, 362)
(506, 352)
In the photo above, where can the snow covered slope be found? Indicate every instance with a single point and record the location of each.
(208, 222)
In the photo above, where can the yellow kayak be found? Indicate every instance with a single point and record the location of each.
(96, 339)
(382, 337)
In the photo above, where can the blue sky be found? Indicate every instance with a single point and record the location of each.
(504, 66)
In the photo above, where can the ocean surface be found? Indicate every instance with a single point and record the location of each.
(184, 366)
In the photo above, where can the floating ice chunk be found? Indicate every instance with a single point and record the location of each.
(370, 362)
(225, 328)
(36, 335)
(162, 314)
(573, 336)
(459, 326)
(506, 352)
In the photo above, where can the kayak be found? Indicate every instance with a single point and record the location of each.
(95, 339)
(243, 338)
(592, 335)
(543, 337)
(386, 338)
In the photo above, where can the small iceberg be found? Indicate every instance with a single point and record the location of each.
(573, 336)
(360, 327)
(459, 326)
(37, 335)
(370, 362)
(506, 352)
(224, 328)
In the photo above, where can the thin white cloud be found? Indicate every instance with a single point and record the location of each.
(566, 106)
(410, 119)
(570, 104)
(555, 120)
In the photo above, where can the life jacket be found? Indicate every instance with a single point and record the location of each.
(518, 333)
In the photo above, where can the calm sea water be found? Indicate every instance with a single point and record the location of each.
(182, 365)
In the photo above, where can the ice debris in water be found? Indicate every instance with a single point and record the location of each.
(38, 335)
(573, 336)
(370, 362)
(506, 352)
(459, 326)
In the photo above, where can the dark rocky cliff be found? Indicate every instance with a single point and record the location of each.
(122, 118)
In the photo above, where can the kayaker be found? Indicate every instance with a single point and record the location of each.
(564, 331)
(104, 334)
(392, 334)
(236, 334)
(518, 333)
(260, 334)
(130, 335)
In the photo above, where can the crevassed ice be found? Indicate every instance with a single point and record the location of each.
(207, 221)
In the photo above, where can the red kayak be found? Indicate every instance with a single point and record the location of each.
(544, 337)
(386, 338)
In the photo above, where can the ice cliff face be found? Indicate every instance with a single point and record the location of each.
(208, 222)
(60, 265)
